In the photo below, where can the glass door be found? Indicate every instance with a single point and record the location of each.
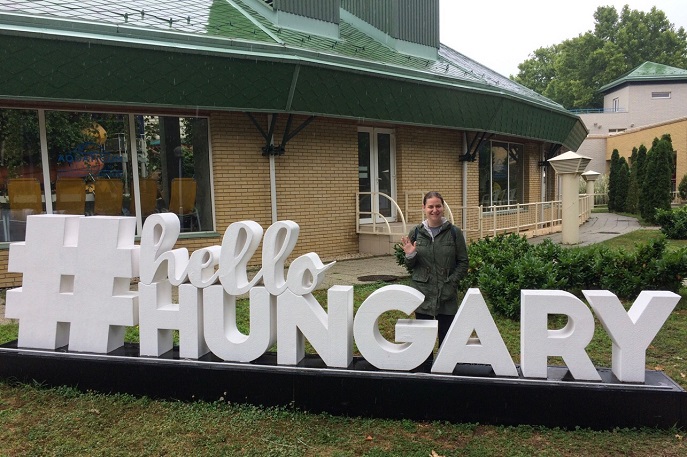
(376, 174)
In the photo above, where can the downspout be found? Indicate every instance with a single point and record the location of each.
(273, 177)
(273, 171)
(542, 187)
(542, 175)
(465, 185)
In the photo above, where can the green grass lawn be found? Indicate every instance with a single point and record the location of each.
(39, 421)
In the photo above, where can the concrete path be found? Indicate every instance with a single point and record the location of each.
(599, 227)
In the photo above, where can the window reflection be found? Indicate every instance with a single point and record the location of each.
(21, 174)
(92, 170)
(500, 174)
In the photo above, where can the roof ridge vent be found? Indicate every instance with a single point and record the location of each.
(319, 17)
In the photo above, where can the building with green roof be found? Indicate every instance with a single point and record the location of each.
(641, 105)
(336, 114)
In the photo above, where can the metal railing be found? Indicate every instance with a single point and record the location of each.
(376, 216)
(531, 219)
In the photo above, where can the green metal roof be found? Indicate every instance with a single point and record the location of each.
(648, 72)
(223, 55)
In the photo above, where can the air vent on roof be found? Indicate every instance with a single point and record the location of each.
(269, 3)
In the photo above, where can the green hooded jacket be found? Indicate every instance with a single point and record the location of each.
(437, 267)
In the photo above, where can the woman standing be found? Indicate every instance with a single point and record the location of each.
(436, 253)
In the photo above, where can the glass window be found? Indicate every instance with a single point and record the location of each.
(172, 148)
(89, 162)
(21, 173)
(92, 170)
(500, 173)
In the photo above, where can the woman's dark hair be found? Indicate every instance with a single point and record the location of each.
(432, 194)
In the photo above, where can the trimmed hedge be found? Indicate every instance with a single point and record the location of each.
(673, 222)
(503, 265)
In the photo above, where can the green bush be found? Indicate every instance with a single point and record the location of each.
(682, 188)
(617, 271)
(504, 265)
(501, 286)
(575, 268)
(673, 222)
(400, 255)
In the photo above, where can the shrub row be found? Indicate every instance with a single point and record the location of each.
(501, 266)
(673, 222)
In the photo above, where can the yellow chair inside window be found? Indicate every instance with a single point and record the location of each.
(25, 198)
(148, 189)
(182, 201)
(70, 196)
(24, 195)
(109, 196)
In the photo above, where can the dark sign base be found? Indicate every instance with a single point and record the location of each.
(471, 394)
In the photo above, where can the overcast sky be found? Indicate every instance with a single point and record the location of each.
(501, 34)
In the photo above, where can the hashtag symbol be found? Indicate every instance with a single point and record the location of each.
(104, 304)
(76, 282)
(47, 261)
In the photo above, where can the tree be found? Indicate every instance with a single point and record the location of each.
(613, 180)
(641, 172)
(20, 140)
(632, 200)
(623, 183)
(682, 188)
(571, 72)
(657, 185)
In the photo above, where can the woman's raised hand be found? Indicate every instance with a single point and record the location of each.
(408, 246)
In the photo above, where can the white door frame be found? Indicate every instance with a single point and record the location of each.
(374, 171)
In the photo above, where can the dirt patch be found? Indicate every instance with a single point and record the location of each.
(375, 278)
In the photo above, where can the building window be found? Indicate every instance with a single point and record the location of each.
(616, 105)
(655, 95)
(95, 168)
(501, 173)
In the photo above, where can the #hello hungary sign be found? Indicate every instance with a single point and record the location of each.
(76, 292)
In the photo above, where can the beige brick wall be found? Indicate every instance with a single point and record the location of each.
(624, 142)
(428, 160)
(317, 180)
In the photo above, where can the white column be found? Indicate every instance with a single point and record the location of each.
(571, 208)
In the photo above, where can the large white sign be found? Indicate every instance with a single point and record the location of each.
(76, 291)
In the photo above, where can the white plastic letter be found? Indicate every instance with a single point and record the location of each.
(417, 337)
(159, 316)
(280, 239)
(306, 273)
(537, 342)
(201, 267)
(160, 233)
(329, 332)
(240, 241)
(631, 331)
(222, 335)
(474, 316)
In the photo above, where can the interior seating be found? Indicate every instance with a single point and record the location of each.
(70, 196)
(109, 196)
(182, 201)
(25, 198)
